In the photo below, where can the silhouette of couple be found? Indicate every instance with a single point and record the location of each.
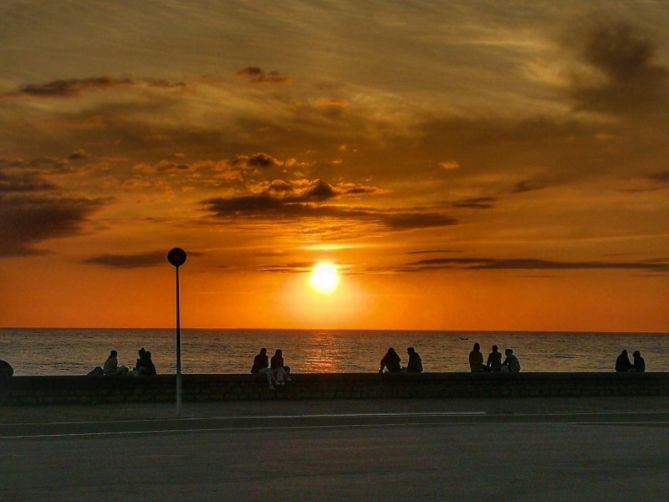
(274, 370)
(623, 363)
(144, 365)
(391, 362)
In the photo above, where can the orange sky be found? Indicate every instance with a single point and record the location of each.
(466, 165)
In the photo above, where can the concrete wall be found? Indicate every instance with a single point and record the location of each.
(93, 390)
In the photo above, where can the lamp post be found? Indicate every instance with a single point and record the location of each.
(177, 257)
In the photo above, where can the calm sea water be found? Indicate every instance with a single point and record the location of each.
(77, 351)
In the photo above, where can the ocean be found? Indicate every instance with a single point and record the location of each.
(77, 351)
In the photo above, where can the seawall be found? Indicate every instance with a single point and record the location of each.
(94, 390)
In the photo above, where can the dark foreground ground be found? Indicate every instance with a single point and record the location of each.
(469, 449)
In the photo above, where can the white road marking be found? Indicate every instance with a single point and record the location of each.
(304, 427)
(348, 415)
(260, 417)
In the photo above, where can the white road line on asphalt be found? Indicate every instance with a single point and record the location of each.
(219, 429)
(303, 427)
(350, 415)
(262, 417)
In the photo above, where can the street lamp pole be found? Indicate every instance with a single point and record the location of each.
(177, 257)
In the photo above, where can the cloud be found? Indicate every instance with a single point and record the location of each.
(433, 251)
(257, 75)
(283, 200)
(449, 165)
(140, 260)
(73, 87)
(658, 265)
(527, 186)
(475, 203)
(660, 177)
(289, 268)
(28, 220)
(627, 78)
(79, 154)
(23, 182)
(260, 160)
(332, 102)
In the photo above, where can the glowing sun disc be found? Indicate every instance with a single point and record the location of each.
(324, 277)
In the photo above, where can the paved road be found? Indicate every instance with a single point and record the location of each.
(603, 449)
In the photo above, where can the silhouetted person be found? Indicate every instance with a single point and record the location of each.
(280, 371)
(623, 363)
(6, 370)
(415, 364)
(144, 365)
(639, 364)
(476, 359)
(111, 366)
(495, 360)
(511, 363)
(149, 368)
(261, 367)
(391, 361)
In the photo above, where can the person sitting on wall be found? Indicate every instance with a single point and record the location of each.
(391, 362)
(149, 367)
(261, 367)
(144, 365)
(495, 360)
(476, 360)
(415, 364)
(6, 370)
(280, 371)
(623, 363)
(111, 366)
(511, 364)
(139, 364)
(639, 364)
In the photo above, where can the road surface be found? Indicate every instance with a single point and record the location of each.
(543, 449)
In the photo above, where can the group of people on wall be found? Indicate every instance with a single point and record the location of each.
(273, 369)
(277, 373)
(494, 364)
(392, 363)
(143, 366)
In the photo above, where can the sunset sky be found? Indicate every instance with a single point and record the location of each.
(465, 164)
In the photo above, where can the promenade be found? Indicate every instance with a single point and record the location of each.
(436, 449)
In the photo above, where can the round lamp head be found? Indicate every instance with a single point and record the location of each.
(176, 257)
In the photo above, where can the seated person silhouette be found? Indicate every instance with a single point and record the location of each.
(495, 360)
(149, 368)
(111, 366)
(390, 362)
(280, 371)
(511, 364)
(415, 364)
(476, 360)
(639, 364)
(261, 367)
(144, 365)
(623, 363)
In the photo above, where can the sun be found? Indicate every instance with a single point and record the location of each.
(324, 277)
